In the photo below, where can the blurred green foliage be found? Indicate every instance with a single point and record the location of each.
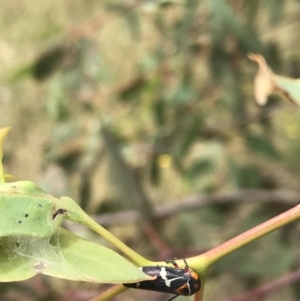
(170, 84)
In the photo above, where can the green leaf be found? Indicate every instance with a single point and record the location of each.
(262, 145)
(155, 171)
(133, 90)
(199, 168)
(276, 12)
(188, 130)
(48, 62)
(244, 176)
(66, 256)
(252, 8)
(185, 93)
(159, 111)
(225, 22)
(25, 209)
(289, 86)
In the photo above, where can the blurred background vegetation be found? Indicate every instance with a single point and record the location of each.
(143, 112)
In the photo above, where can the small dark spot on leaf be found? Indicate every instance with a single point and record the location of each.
(58, 212)
(40, 205)
(17, 244)
(20, 222)
(15, 186)
(26, 215)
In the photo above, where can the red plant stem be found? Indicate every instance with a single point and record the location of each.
(237, 242)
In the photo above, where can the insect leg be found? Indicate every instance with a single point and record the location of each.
(173, 262)
(186, 265)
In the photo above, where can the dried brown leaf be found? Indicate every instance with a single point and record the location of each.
(266, 82)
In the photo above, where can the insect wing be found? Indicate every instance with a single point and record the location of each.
(151, 271)
(168, 279)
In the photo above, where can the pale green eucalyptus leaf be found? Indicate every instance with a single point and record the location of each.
(66, 256)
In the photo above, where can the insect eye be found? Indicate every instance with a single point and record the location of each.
(185, 290)
(196, 286)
